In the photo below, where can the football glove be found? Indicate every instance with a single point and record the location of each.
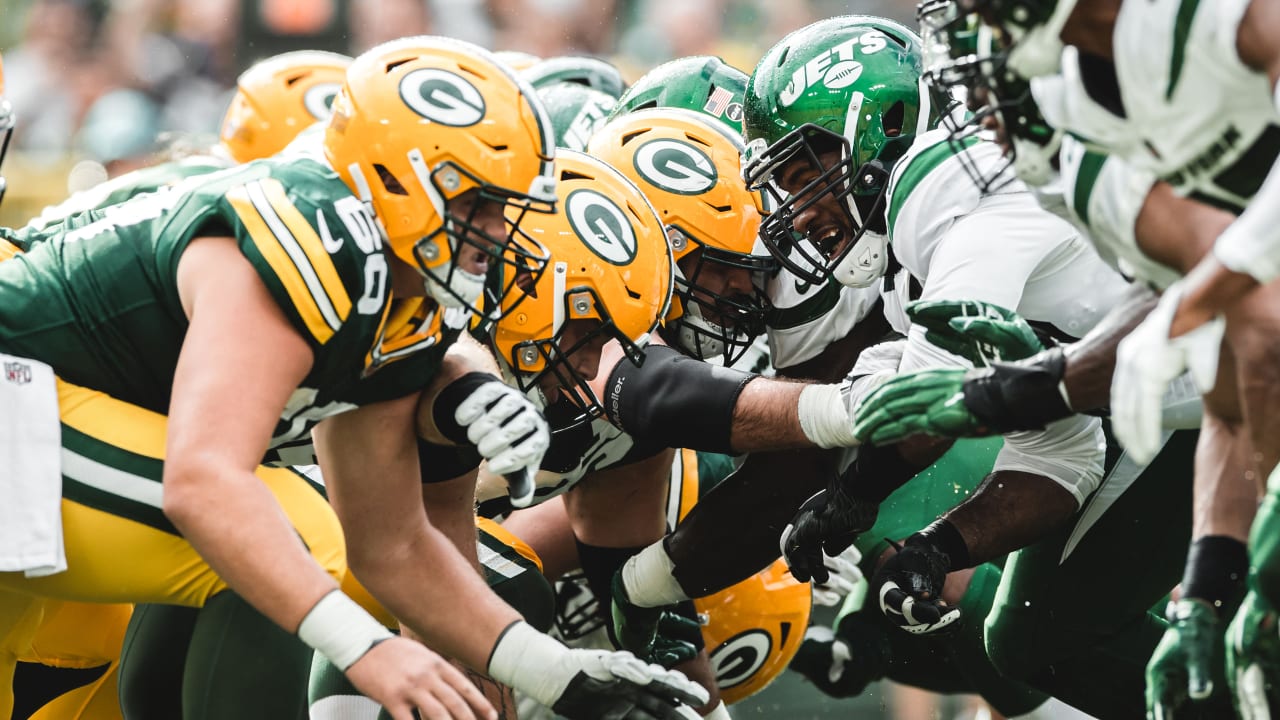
(654, 634)
(908, 588)
(841, 663)
(509, 431)
(824, 526)
(1185, 675)
(1253, 658)
(843, 577)
(977, 331)
(591, 684)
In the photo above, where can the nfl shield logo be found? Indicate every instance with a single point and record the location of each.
(18, 373)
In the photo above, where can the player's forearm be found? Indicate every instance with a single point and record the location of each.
(426, 584)
(1009, 510)
(1226, 494)
(466, 355)
(229, 516)
(1091, 362)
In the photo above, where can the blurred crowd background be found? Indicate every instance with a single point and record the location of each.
(95, 83)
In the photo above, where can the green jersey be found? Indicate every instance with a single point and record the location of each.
(96, 296)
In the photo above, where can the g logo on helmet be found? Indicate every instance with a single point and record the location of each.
(318, 100)
(602, 226)
(740, 657)
(442, 97)
(675, 166)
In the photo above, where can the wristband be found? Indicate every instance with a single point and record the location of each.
(1026, 395)
(341, 630)
(448, 400)
(942, 536)
(1217, 567)
(524, 658)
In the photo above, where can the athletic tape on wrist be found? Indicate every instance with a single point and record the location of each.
(824, 419)
(650, 580)
(523, 658)
(341, 630)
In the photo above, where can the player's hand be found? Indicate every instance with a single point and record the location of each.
(509, 432)
(591, 684)
(410, 681)
(908, 588)
(1253, 658)
(929, 402)
(843, 577)
(978, 331)
(654, 634)
(1147, 361)
(824, 526)
(841, 663)
(1185, 677)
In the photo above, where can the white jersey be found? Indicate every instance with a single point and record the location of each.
(1207, 124)
(807, 318)
(1004, 249)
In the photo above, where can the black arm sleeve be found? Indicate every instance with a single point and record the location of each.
(675, 401)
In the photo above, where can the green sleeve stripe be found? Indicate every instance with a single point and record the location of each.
(1181, 34)
(1087, 177)
(916, 170)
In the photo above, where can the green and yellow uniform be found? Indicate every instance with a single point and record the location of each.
(96, 298)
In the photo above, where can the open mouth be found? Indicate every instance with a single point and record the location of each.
(829, 241)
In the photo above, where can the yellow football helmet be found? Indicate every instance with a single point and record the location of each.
(687, 165)
(6, 126)
(424, 120)
(610, 263)
(278, 98)
(753, 629)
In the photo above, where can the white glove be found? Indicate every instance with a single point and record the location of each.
(843, 577)
(509, 432)
(1147, 361)
(590, 684)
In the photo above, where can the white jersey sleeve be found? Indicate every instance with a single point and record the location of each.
(1002, 249)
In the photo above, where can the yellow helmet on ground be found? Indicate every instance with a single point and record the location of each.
(278, 98)
(687, 165)
(424, 120)
(610, 265)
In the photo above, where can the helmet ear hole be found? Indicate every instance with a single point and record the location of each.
(893, 118)
(389, 181)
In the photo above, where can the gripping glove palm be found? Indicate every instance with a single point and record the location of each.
(1185, 677)
(908, 588)
(823, 528)
(978, 331)
(655, 634)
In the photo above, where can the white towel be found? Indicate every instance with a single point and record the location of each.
(30, 469)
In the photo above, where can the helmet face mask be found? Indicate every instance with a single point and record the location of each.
(811, 171)
(715, 323)
(7, 124)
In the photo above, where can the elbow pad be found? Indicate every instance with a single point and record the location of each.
(675, 401)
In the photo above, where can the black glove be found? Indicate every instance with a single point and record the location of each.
(841, 663)
(829, 520)
(908, 587)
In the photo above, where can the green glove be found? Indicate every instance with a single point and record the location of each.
(1253, 658)
(977, 331)
(653, 634)
(1185, 676)
(929, 402)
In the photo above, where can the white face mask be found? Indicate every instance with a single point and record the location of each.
(467, 286)
(1039, 52)
(698, 335)
(865, 263)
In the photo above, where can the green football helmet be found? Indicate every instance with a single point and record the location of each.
(1029, 29)
(575, 111)
(702, 83)
(848, 85)
(580, 69)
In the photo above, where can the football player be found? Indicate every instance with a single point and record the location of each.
(293, 307)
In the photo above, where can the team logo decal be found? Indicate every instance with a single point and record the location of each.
(318, 99)
(676, 167)
(442, 97)
(835, 69)
(740, 657)
(601, 225)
